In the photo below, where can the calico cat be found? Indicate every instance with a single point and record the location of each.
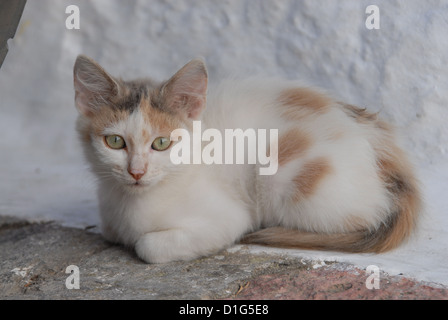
(342, 182)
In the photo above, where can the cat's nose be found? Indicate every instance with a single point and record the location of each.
(136, 173)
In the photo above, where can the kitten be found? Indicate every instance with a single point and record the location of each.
(342, 182)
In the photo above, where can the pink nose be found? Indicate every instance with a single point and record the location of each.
(136, 174)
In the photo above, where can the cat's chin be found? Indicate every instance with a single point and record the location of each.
(142, 185)
(136, 187)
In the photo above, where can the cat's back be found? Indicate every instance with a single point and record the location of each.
(322, 143)
(242, 103)
(272, 103)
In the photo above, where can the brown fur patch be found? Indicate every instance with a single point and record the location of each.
(301, 102)
(159, 120)
(145, 135)
(311, 175)
(131, 94)
(117, 106)
(292, 238)
(292, 145)
(130, 143)
(105, 117)
(362, 116)
(355, 223)
(85, 136)
(399, 180)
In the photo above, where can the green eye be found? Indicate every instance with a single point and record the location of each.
(115, 142)
(161, 143)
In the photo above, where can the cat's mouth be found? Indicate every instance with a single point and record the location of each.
(142, 184)
(137, 184)
(136, 187)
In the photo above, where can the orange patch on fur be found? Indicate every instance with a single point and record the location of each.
(301, 102)
(145, 135)
(401, 185)
(399, 180)
(310, 177)
(355, 223)
(131, 143)
(106, 116)
(160, 121)
(85, 136)
(362, 116)
(292, 145)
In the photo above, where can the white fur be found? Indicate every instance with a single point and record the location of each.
(187, 211)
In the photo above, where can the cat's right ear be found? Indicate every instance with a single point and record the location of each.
(185, 93)
(93, 85)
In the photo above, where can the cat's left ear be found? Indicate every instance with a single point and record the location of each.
(93, 86)
(186, 91)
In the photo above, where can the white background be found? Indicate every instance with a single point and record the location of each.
(400, 70)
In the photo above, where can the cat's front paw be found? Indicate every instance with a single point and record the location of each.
(164, 246)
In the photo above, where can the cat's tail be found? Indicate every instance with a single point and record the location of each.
(383, 239)
(291, 238)
(391, 233)
(397, 227)
(387, 236)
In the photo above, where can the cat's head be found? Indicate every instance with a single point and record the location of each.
(125, 126)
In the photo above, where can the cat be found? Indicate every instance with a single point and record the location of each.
(342, 183)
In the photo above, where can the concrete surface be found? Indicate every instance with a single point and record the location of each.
(34, 258)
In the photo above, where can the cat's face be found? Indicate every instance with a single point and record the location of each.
(125, 127)
(133, 149)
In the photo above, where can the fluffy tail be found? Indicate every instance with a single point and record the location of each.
(290, 238)
(391, 233)
(402, 188)
(388, 236)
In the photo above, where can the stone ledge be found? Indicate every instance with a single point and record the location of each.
(34, 258)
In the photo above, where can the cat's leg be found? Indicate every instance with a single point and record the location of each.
(195, 237)
(175, 245)
(182, 244)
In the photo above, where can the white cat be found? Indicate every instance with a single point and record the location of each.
(342, 183)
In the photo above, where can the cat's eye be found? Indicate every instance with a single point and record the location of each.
(161, 143)
(115, 142)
